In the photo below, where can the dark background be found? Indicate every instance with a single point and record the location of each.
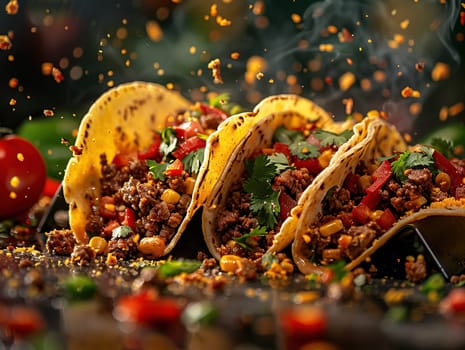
(99, 44)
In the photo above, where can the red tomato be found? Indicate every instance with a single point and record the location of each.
(188, 129)
(286, 203)
(174, 169)
(146, 308)
(153, 152)
(188, 146)
(386, 220)
(22, 177)
(361, 213)
(312, 164)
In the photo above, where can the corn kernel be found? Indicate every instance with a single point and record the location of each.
(331, 227)
(152, 246)
(230, 263)
(364, 181)
(376, 215)
(325, 158)
(98, 244)
(170, 196)
(189, 182)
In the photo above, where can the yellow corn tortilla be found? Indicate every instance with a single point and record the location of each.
(122, 121)
(256, 129)
(373, 138)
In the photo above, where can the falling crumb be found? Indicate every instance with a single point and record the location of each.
(420, 66)
(222, 22)
(13, 83)
(441, 71)
(5, 43)
(404, 24)
(215, 66)
(296, 18)
(12, 7)
(349, 104)
(64, 141)
(326, 47)
(76, 150)
(409, 92)
(235, 55)
(456, 109)
(57, 75)
(443, 113)
(12, 102)
(259, 75)
(346, 81)
(48, 113)
(154, 31)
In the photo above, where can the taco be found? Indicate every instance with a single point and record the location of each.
(290, 142)
(379, 186)
(142, 166)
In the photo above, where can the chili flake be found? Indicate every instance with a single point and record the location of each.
(5, 43)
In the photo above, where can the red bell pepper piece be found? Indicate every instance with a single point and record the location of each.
(120, 160)
(386, 220)
(286, 203)
(361, 213)
(209, 110)
(190, 145)
(153, 152)
(175, 169)
(188, 129)
(312, 164)
(129, 218)
(443, 164)
(380, 176)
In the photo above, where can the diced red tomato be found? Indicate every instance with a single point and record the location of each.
(129, 218)
(361, 213)
(175, 169)
(51, 187)
(454, 302)
(120, 160)
(284, 149)
(188, 129)
(386, 220)
(188, 146)
(107, 208)
(153, 152)
(312, 164)
(209, 110)
(146, 308)
(351, 183)
(302, 325)
(286, 203)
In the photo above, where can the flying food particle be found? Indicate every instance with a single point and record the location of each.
(346, 81)
(409, 92)
(215, 66)
(5, 43)
(12, 7)
(441, 71)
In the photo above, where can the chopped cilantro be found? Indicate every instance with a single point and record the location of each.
(412, 160)
(256, 232)
(263, 199)
(304, 150)
(157, 169)
(169, 141)
(281, 162)
(193, 161)
(286, 136)
(120, 232)
(445, 147)
(329, 138)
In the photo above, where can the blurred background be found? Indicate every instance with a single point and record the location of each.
(404, 57)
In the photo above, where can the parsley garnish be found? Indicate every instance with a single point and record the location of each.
(412, 160)
(193, 161)
(169, 141)
(257, 231)
(445, 147)
(157, 169)
(329, 138)
(263, 199)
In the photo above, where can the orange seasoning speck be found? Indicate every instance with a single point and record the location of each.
(12, 7)
(235, 55)
(409, 92)
(441, 71)
(296, 18)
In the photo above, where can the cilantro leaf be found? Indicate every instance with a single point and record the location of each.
(260, 171)
(193, 161)
(445, 147)
(257, 231)
(304, 150)
(281, 162)
(412, 160)
(286, 136)
(157, 169)
(328, 138)
(175, 267)
(169, 141)
(266, 209)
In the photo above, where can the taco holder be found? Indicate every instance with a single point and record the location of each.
(440, 239)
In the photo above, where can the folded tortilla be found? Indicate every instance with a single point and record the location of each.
(123, 122)
(377, 141)
(258, 127)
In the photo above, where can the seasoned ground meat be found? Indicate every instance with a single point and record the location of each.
(415, 269)
(82, 255)
(60, 242)
(123, 247)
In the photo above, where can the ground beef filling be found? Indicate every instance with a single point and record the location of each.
(133, 186)
(418, 191)
(237, 219)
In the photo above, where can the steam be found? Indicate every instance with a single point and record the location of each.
(385, 45)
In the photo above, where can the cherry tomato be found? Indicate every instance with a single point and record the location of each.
(22, 177)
